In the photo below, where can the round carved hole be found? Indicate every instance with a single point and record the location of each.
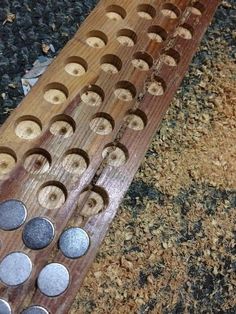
(127, 37)
(92, 202)
(115, 13)
(28, 127)
(157, 33)
(102, 124)
(185, 31)
(142, 61)
(156, 87)
(125, 91)
(52, 195)
(197, 8)
(92, 95)
(111, 64)
(171, 57)
(170, 10)
(76, 66)
(146, 11)
(136, 120)
(115, 155)
(37, 161)
(62, 125)
(7, 160)
(75, 161)
(56, 93)
(96, 39)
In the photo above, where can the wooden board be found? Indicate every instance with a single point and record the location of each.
(101, 101)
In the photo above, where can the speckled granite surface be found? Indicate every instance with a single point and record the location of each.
(171, 248)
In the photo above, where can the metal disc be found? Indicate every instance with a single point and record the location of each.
(35, 309)
(15, 269)
(12, 214)
(74, 242)
(38, 233)
(4, 307)
(53, 279)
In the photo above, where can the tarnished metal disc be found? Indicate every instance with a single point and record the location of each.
(74, 242)
(15, 269)
(35, 309)
(38, 233)
(12, 214)
(5, 307)
(53, 279)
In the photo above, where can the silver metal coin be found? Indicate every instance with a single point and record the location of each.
(38, 233)
(53, 279)
(35, 309)
(15, 269)
(74, 242)
(4, 307)
(12, 214)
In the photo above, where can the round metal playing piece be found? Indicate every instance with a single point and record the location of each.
(38, 233)
(35, 309)
(15, 269)
(74, 242)
(4, 307)
(12, 214)
(53, 279)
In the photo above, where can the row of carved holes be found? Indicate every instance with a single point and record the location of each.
(76, 66)
(127, 37)
(76, 161)
(147, 11)
(30, 127)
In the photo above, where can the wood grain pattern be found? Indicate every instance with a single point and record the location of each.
(54, 120)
